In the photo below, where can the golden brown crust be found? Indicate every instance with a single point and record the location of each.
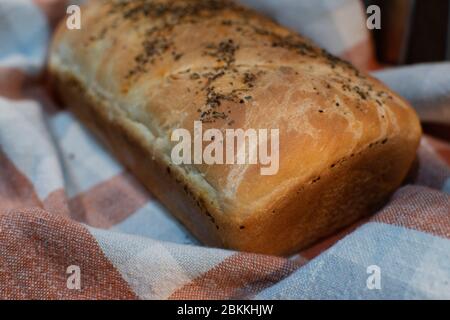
(146, 68)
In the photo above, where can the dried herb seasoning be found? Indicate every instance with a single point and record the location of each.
(156, 41)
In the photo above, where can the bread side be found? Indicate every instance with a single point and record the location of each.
(140, 69)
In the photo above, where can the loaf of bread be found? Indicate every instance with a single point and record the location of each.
(137, 70)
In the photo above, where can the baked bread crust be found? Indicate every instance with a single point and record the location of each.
(139, 69)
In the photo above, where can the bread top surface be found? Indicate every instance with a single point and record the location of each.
(165, 64)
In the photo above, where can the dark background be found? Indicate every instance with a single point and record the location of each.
(412, 31)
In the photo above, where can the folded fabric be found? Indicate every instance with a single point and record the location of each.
(66, 204)
(426, 86)
(22, 47)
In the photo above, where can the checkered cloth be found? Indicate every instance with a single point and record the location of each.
(64, 201)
